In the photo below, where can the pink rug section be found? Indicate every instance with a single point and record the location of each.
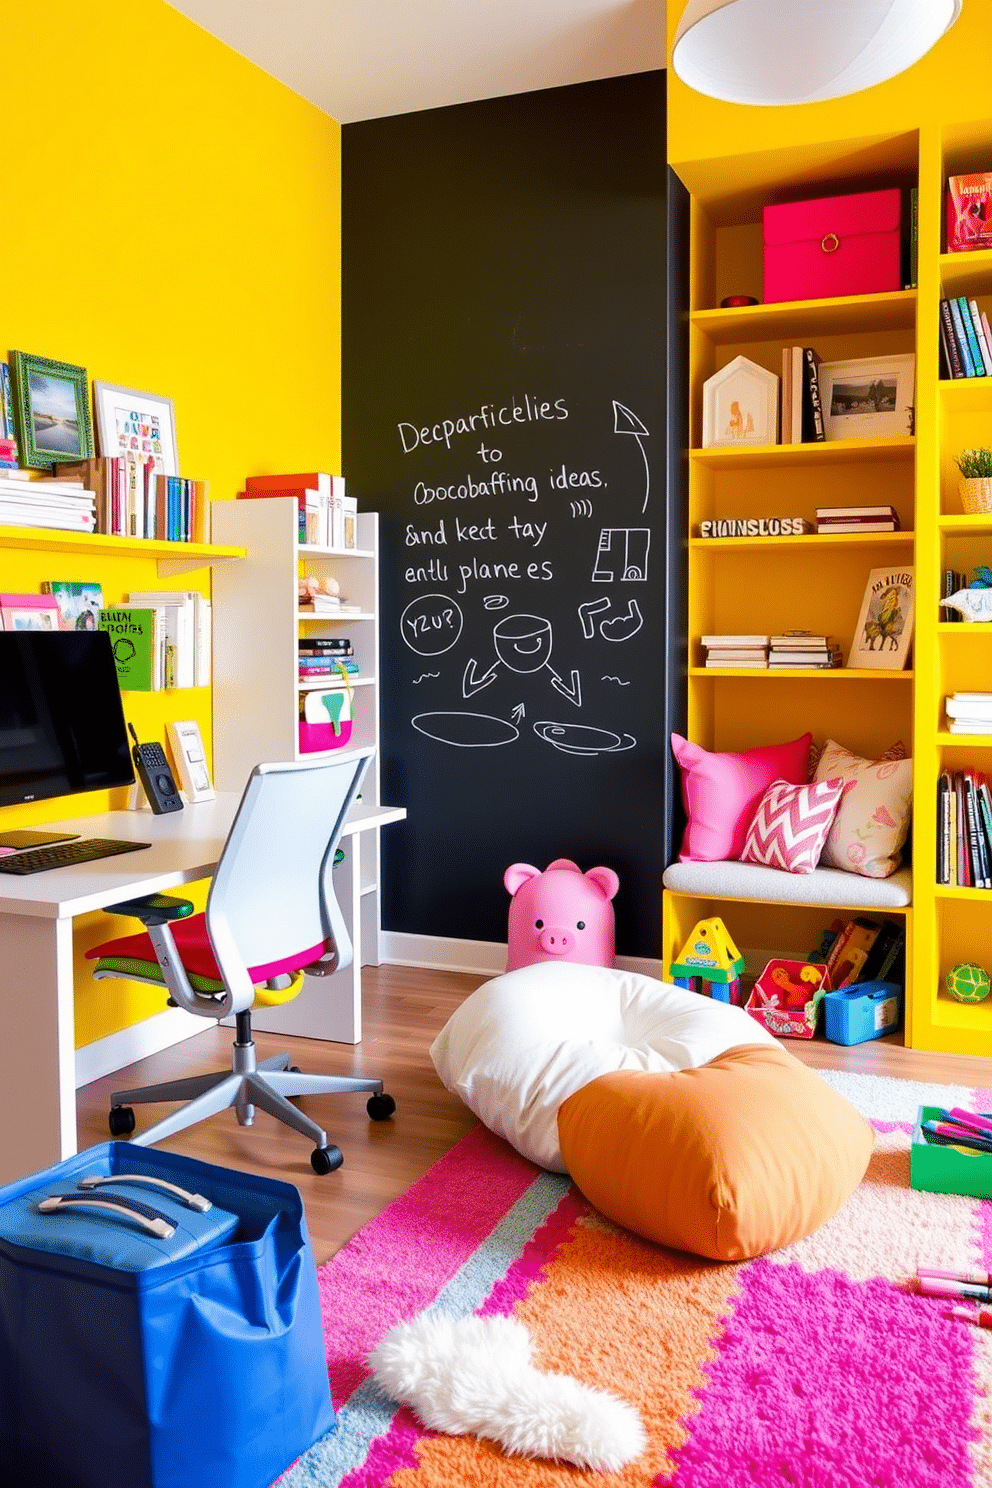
(823, 1381)
(396, 1448)
(399, 1262)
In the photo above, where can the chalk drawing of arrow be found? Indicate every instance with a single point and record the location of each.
(573, 693)
(517, 715)
(625, 422)
(473, 683)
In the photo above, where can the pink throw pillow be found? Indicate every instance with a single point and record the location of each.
(791, 824)
(721, 792)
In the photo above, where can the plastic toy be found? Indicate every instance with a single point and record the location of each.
(709, 955)
(561, 914)
(968, 982)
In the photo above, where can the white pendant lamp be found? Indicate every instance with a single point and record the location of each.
(801, 51)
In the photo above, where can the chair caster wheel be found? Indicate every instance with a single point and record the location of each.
(380, 1107)
(325, 1159)
(121, 1121)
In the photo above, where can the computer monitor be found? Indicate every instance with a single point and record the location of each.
(62, 728)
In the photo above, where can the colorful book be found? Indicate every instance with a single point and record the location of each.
(812, 416)
(984, 351)
(134, 636)
(79, 602)
(962, 339)
(948, 342)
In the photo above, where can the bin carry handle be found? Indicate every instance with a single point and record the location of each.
(150, 1219)
(191, 1200)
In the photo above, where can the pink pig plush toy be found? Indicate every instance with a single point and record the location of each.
(561, 914)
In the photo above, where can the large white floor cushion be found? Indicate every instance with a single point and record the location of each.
(521, 1044)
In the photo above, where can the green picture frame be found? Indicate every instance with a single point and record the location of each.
(51, 410)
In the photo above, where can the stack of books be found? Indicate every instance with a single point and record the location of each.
(964, 829)
(803, 649)
(63, 504)
(857, 519)
(133, 499)
(328, 516)
(736, 650)
(969, 712)
(965, 339)
(321, 660)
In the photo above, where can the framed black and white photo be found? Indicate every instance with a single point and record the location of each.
(139, 425)
(868, 398)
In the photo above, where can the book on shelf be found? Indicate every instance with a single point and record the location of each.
(61, 519)
(951, 581)
(953, 364)
(736, 653)
(884, 628)
(886, 950)
(799, 659)
(796, 398)
(914, 235)
(79, 602)
(734, 640)
(350, 520)
(964, 829)
(961, 338)
(979, 330)
(837, 528)
(850, 513)
(737, 661)
(184, 634)
(134, 635)
(313, 645)
(317, 492)
(795, 640)
(850, 950)
(974, 350)
(813, 430)
(969, 212)
(785, 397)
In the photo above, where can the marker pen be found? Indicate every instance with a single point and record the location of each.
(972, 1118)
(937, 1286)
(958, 1135)
(962, 1120)
(983, 1317)
(971, 1278)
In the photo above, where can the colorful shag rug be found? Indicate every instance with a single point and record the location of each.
(820, 1366)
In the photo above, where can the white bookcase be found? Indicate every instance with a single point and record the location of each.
(256, 693)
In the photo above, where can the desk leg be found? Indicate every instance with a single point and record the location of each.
(37, 1036)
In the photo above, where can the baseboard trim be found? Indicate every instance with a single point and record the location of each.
(120, 1049)
(478, 957)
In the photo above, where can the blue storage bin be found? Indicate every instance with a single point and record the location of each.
(151, 1340)
(864, 1010)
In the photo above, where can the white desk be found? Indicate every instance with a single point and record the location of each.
(37, 1024)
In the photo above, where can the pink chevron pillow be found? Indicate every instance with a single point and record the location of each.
(791, 824)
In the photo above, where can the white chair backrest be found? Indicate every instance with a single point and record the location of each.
(271, 895)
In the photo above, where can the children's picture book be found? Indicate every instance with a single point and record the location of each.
(133, 635)
(885, 625)
(79, 602)
(28, 612)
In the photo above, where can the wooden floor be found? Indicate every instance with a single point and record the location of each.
(403, 1009)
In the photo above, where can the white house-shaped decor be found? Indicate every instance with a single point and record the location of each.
(740, 405)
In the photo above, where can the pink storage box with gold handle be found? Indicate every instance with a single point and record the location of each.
(833, 245)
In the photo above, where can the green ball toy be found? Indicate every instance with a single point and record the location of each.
(968, 983)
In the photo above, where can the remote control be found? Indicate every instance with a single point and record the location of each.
(155, 776)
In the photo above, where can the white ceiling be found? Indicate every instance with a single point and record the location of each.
(365, 59)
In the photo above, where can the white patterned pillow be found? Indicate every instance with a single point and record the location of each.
(872, 820)
(790, 826)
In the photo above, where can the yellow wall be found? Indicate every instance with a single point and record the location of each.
(172, 224)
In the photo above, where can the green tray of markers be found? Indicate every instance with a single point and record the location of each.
(941, 1169)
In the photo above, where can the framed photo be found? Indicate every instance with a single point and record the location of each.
(51, 410)
(869, 397)
(740, 405)
(141, 425)
(29, 612)
(885, 624)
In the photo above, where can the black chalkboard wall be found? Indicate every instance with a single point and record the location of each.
(504, 375)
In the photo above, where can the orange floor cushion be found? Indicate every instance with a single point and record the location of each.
(729, 1160)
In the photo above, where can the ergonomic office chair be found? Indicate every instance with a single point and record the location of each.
(271, 913)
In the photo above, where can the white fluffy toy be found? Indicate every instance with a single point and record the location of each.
(474, 1376)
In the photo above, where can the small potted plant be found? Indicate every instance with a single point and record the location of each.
(975, 483)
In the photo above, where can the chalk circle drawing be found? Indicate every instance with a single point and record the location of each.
(523, 644)
(622, 554)
(618, 627)
(625, 422)
(466, 730)
(577, 738)
(431, 624)
(496, 602)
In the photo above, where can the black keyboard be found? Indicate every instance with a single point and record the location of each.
(65, 854)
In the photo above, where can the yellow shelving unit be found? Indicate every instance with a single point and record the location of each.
(768, 584)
